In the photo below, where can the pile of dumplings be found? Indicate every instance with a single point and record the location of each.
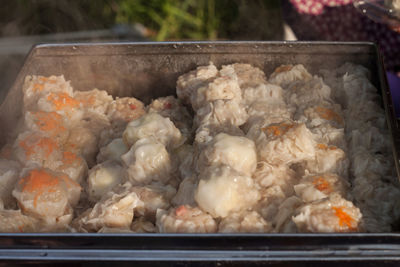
(235, 151)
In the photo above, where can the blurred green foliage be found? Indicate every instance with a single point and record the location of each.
(163, 19)
(188, 19)
(193, 19)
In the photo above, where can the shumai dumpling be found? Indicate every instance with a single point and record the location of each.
(153, 125)
(244, 222)
(319, 186)
(188, 83)
(46, 195)
(333, 214)
(36, 87)
(222, 190)
(148, 160)
(235, 151)
(103, 177)
(283, 143)
(112, 211)
(287, 74)
(185, 219)
(13, 221)
(36, 148)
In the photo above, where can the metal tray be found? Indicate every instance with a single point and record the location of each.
(150, 70)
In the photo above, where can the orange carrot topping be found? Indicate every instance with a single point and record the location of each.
(277, 130)
(48, 145)
(167, 105)
(69, 146)
(322, 185)
(49, 122)
(26, 147)
(283, 68)
(322, 146)
(132, 106)
(69, 157)
(180, 210)
(29, 145)
(325, 147)
(38, 182)
(344, 218)
(62, 100)
(37, 87)
(329, 114)
(44, 80)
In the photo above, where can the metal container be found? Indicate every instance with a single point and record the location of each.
(150, 70)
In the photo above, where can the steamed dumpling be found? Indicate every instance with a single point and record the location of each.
(315, 187)
(123, 110)
(103, 177)
(113, 211)
(36, 87)
(185, 219)
(244, 222)
(93, 101)
(287, 74)
(247, 75)
(113, 151)
(35, 148)
(328, 159)
(283, 143)
(188, 83)
(222, 190)
(13, 221)
(153, 125)
(172, 108)
(235, 151)
(47, 195)
(148, 160)
(334, 214)
(221, 88)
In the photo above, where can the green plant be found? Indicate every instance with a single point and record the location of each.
(169, 19)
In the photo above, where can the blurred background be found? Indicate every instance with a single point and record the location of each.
(24, 23)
